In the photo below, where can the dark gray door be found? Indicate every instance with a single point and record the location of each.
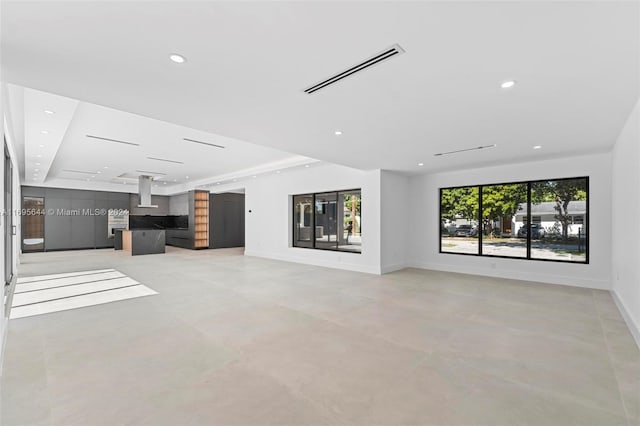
(226, 218)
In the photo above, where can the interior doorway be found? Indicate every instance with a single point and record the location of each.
(32, 224)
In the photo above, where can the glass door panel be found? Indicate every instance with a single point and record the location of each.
(326, 220)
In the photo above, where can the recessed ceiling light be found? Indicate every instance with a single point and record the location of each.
(93, 176)
(306, 165)
(277, 171)
(37, 164)
(186, 177)
(105, 167)
(48, 111)
(39, 156)
(98, 172)
(420, 164)
(36, 170)
(537, 147)
(41, 146)
(175, 180)
(508, 84)
(218, 183)
(164, 183)
(254, 176)
(44, 132)
(338, 132)
(178, 59)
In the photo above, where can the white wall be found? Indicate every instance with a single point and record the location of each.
(625, 206)
(268, 227)
(424, 217)
(395, 224)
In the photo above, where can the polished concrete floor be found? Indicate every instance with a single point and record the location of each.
(234, 340)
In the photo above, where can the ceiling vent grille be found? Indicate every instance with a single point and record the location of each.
(166, 160)
(439, 154)
(85, 172)
(203, 143)
(100, 138)
(382, 56)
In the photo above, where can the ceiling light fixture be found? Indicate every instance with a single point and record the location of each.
(306, 165)
(41, 146)
(278, 171)
(37, 164)
(537, 147)
(508, 84)
(218, 183)
(186, 177)
(44, 132)
(420, 164)
(105, 167)
(178, 59)
(36, 170)
(48, 111)
(338, 132)
(39, 156)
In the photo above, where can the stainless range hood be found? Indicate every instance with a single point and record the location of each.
(144, 191)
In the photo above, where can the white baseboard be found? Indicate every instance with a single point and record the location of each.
(393, 267)
(516, 275)
(633, 327)
(317, 262)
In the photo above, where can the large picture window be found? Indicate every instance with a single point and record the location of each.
(539, 220)
(328, 221)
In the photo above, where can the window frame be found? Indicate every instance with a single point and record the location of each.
(528, 256)
(313, 219)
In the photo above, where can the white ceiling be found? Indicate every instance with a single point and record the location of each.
(577, 67)
(58, 148)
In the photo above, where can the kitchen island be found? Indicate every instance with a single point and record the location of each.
(143, 241)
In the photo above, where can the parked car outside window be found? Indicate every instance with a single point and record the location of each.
(465, 231)
(537, 231)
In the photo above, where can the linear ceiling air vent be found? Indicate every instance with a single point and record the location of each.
(165, 160)
(147, 172)
(464, 150)
(112, 140)
(79, 171)
(382, 56)
(203, 143)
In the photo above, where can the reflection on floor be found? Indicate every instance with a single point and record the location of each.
(45, 294)
(238, 340)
